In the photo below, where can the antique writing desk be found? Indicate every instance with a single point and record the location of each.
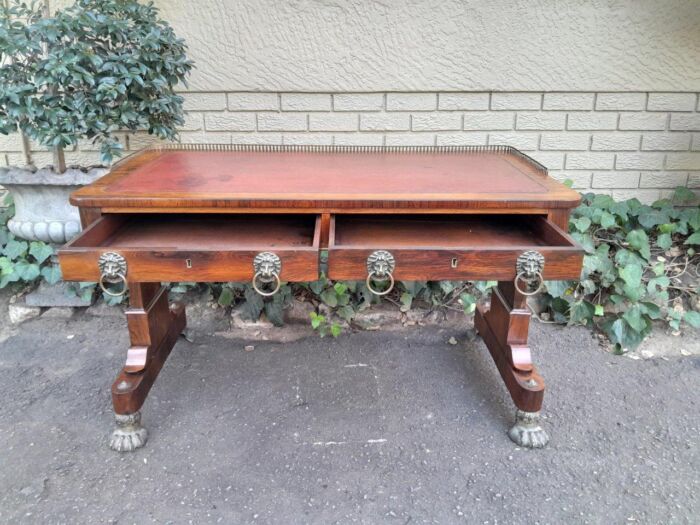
(264, 213)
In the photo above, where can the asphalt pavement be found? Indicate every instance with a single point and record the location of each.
(374, 427)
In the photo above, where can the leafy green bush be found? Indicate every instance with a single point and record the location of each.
(21, 261)
(337, 303)
(92, 69)
(641, 265)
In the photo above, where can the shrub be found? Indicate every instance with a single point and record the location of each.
(92, 69)
(641, 265)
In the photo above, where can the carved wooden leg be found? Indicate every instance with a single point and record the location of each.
(504, 328)
(154, 327)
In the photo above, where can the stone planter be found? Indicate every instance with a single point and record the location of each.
(42, 210)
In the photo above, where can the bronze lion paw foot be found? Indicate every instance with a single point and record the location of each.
(129, 434)
(527, 431)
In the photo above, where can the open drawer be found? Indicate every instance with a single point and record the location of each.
(450, 247)
(195, 247)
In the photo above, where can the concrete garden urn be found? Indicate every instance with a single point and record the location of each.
(43, 213)
(42, 210)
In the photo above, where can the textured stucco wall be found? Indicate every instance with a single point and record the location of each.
(445, 45)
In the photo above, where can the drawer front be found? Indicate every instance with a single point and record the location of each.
(204, 250)
(456, 249)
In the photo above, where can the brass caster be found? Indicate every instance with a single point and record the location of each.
(527, 431)
(129, 434)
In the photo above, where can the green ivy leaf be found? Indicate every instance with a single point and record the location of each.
(27, 271)
(603, 201)
(669, 227)
(626, 257)
(346, 312)
(253, 305)
(631, 274)
(87, 295)
(639, 240)
(318, 286)
(274, 310)
(225, 297)
(659, 269)
(316, 320)
(651, 309)
(607, 220)
(336, 329)
(693, 239)
(634, 317)
(585, 240)
(657, 286)
(6, 266)
(692, 318)
(40, 251)
(582, 224)
(560, 308)
(653, 218)
(15, 249)
(581, 312)
(692, 217)
(632, 277)
(664, 241)
(51, 273)
(683, 195)
(329, 297)
(620, 333)
(558, 288)
(406, 301)
(468, 303)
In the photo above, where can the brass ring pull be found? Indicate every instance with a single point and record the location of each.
(521, 275)
(118, 277)
(375, 291)
(276, 278)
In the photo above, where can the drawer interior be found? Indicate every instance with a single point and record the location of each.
(195, 247)
(445, 232)
(201, 232)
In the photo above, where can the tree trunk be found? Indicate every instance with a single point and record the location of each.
(59, 160)
(26, 149)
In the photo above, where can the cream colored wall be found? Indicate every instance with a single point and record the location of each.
(440, 45)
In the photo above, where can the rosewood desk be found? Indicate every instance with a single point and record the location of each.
(264, 214)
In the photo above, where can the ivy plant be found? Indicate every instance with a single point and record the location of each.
(641, 265)
(21, 261)
(90, 70)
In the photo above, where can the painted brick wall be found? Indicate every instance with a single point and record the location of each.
(626, 144)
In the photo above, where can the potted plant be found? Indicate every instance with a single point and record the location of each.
(87, 73)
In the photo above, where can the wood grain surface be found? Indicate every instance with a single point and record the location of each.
(321, 180)
(450, 247)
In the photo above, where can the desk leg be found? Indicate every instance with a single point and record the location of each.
(154, 327)
(504, 328)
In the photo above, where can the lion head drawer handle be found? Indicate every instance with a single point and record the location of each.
(380, 266)
(112, 270)
(529, 268)
(267, 267)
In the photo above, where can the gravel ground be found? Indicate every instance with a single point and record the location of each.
(373, 427)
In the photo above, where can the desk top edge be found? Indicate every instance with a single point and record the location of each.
(551, 195)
